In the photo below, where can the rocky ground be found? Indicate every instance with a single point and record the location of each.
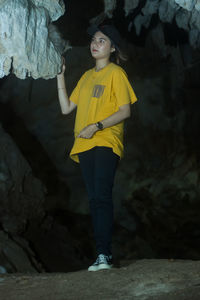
(142, 279)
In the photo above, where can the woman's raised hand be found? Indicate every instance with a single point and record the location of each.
(63, 67)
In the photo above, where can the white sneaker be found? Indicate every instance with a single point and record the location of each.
(102, 262)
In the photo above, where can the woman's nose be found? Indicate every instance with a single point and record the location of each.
(95, 43)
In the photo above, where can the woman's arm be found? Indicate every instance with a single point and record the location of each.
(66, 105)
(123, 113)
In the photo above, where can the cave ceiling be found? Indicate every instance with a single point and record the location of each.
(185, 13)
(27, 30)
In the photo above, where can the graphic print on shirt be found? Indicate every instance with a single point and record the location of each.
(98, 90)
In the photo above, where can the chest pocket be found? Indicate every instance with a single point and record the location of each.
(98, 91)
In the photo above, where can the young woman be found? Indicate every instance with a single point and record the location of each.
(102, 97)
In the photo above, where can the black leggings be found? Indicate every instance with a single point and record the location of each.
(98, 167)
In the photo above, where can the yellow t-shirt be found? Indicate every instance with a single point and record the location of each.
(98, 95)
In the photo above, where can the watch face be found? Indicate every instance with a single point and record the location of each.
(100, 125)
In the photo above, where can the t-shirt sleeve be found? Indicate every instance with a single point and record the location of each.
(74, 97)
(122, 88)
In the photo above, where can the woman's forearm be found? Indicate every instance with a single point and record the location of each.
(66, 105)
(123, 113)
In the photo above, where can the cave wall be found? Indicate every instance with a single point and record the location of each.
(21, 194)
(156, 190)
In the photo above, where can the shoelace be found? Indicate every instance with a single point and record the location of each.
(102, 259)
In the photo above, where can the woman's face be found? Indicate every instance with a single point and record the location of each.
(100, 46)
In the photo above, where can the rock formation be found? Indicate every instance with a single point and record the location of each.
(21, 194)
(16, 255)
(110, 5)
(21, 202)
(186, 14)
(29, 45)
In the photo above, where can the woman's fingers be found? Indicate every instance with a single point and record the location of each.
(87, 132)
(63, 66)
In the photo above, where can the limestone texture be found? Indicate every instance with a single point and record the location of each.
(129, 5)
(109, 7)
(188, 5)
(28, 42)
(186, 14)
(139, 14)
(167, 10)
(16, 255)
(21, 194)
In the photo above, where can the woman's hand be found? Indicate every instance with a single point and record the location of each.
(88, 131)
(63, 67)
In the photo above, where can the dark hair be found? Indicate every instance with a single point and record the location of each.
(118, 55)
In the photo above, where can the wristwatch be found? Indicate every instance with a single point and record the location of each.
(99, 125)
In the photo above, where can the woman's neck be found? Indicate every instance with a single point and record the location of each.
(100, 64)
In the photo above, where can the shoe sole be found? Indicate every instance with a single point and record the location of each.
(99, 267)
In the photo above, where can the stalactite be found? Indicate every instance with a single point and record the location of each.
(27, 45)
(186, 14)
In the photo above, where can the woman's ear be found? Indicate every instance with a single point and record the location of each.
(112, 49)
